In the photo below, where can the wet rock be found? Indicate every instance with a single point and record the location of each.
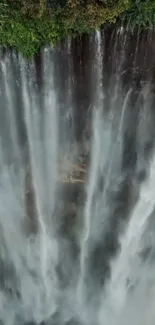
(141, 175)
(31, 221)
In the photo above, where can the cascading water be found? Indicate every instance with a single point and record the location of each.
(77, 174)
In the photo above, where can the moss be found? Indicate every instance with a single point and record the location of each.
(28, 25)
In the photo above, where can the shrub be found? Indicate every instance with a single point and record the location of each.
(28, 25)
(141, 14)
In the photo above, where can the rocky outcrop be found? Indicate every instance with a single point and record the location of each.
(70, 194)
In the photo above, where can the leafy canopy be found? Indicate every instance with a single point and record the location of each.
(31, 24)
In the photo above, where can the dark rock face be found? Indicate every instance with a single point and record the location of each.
(126, 61)
(122, 62)
(31, 219)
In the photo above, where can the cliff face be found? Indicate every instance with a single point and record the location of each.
(88, 72)
(76, 140)
(70, 192)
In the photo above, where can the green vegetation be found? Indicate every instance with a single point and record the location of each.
(141, 14)
(29, 24)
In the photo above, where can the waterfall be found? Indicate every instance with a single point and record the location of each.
(77, 175)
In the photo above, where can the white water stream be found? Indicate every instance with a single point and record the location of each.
(111, 280)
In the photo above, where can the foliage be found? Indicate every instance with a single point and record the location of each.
(28, 30)
(141, 14)
(56, 3)
(81, 19)
(29, 24)
(28, 35)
